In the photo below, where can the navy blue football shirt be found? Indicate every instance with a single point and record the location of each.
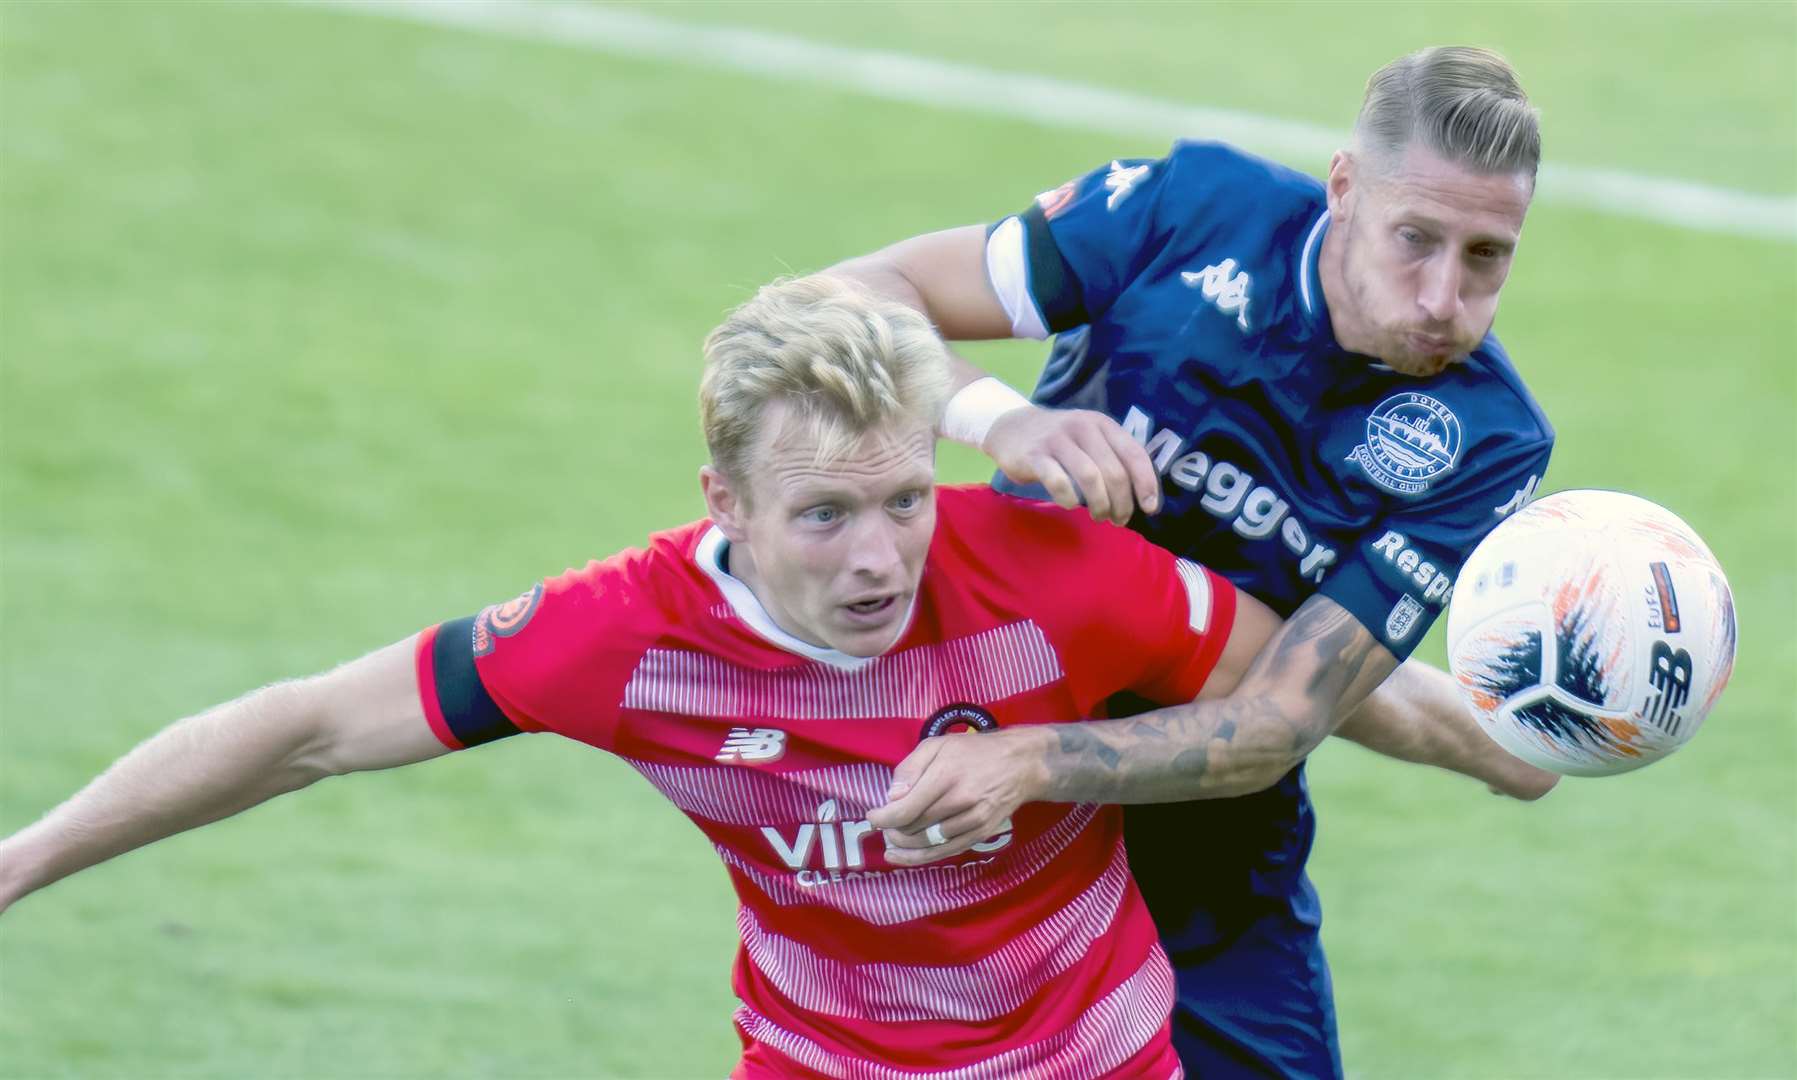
(1186, 296)
(1186, 299)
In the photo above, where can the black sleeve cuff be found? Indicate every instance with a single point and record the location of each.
(1059, 294)
(469, 711)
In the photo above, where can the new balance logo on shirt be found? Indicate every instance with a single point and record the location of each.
(752, 746)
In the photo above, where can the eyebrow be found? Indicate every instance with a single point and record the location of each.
(823, 490)
(1438, 225)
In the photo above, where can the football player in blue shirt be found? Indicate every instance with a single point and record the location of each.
(1296, 381)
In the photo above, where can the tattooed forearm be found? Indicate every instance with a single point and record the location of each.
(1312, 673)
(1076, 740)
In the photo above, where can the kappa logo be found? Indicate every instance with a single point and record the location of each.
(504, 620)
(1121, 180)
(1410, 440)
(1224, 286)
(752, 746)
(1524, 495)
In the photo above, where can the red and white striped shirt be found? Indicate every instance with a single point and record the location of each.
(1032, 955)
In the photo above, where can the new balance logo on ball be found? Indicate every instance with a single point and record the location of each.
(752, 746)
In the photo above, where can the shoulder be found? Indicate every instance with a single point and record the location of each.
(976, 520)
(630, 597)
(1006, 546)
(1227, 212)
(1473, 432)
(1487, 386)
(1202, 171)
(1209, 158)
(1120, 612)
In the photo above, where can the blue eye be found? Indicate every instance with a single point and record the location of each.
(910, 500)
(822, 515)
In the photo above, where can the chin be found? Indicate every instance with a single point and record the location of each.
(860, 647)
(866, 643)
(1422, 367)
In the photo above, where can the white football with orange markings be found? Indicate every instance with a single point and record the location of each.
(1591, 633)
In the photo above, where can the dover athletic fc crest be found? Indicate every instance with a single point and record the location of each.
(1410, 440)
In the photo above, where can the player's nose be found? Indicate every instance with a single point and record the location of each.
(1439, 296)
(875, 552)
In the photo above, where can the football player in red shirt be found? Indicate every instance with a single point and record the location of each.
(766, 669)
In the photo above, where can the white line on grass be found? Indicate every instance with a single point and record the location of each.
(1042, 100)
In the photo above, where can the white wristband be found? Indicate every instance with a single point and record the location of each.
(973, 410)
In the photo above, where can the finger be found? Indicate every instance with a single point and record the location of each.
(946, 808)
(1086, 477)
(1119, 492)
(957, 845)
(905, 776)
(1144, 480)
(977, 821)
(1059, 485)
(907, 812)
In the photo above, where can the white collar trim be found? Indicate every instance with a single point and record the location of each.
(1306, 267)
(742, 600)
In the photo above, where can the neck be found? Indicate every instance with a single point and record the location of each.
(739, 562)
(1333, 282)
(736, 560)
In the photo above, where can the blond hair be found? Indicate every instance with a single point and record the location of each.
(1464, 103)
(846, 360)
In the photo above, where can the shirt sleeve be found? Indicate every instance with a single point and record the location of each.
(552, 659)
(1136, 617)
(1399, 575)
(1064, 261)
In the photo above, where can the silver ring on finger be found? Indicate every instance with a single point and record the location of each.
(934, 835)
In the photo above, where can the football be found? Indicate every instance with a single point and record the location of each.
(1591, 633)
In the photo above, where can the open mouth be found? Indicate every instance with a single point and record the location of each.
(873, 608)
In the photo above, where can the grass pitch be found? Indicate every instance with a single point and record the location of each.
(314, 330)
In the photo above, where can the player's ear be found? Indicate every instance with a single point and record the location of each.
(724, 504)
(1341, 181)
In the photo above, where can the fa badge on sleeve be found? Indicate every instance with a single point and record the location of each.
(1403, 618)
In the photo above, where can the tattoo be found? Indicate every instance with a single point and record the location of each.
(1147, 730)
(1192, 763)
(1312, 673)
(1075, 739)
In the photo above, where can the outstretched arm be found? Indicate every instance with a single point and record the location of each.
(1312, 672)
(363, 715)
(1315, 670)
(1417, 715)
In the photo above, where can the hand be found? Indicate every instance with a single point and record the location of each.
(968, 785)
(1075, 452)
